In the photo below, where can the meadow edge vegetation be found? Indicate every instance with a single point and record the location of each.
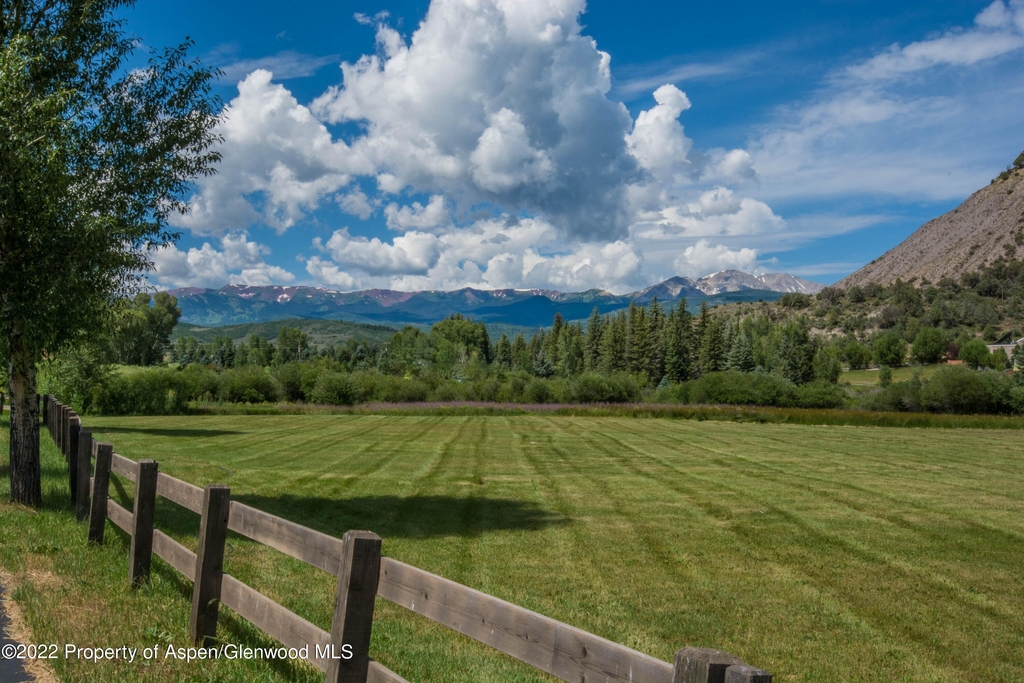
(791, 353)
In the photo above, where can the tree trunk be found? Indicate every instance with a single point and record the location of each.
(26, 487)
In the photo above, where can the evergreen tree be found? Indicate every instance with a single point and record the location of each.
(592, 346)
(613, 344)
(503, 353)
(521, 353)
(678, 354)
(570, 351)
(741, 354)
(712, 347)
(551, 341)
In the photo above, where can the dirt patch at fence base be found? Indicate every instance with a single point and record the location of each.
(18, 631)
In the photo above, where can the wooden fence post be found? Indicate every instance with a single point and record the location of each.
(702, 665)
(213, 532)
(73, 436)
(742, 673)
(358, 575)
(100, 485)
(84, 471)
(142, 522)
(65, 425)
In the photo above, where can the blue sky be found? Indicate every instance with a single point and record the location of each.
(563, 145)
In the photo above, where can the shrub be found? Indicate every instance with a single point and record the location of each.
(958, 389)
(898, 397)
(289, 378)
(333, 388)
(820, 394)
(143, 391)
(884, 376)
(248, 385)
(591, 387)
(739, 388)
(537, 391)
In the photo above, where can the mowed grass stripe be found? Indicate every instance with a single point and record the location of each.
(966, 610)
(821, 553)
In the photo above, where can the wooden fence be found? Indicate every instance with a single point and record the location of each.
(362, 575)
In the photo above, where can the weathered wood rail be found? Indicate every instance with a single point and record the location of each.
(362, 575)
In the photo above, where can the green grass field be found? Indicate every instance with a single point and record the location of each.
(824, 554)
(859, 379)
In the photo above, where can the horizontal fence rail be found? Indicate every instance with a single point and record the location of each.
(362, 574)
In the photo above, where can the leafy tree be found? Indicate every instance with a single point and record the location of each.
(142, 332)
(464, 332)
(889, 349)
(94, 159)
(828, 363)
(975, 353)
(292, 345)
(929, 346)
(857, 355)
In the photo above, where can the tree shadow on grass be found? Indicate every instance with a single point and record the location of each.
(174, 433)
(408, 517)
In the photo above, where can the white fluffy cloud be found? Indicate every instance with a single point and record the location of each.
(702, 258)
(657, 139)
(239, 261)
(497, 101)
(278, 163)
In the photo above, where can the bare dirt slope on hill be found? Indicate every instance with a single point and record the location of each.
(988, 225)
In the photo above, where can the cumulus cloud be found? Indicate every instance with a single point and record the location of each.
(702, 258)
(413, 252)
(278, 163)
(657, 139)
(239, 261)
(497, 101)
(433, 216)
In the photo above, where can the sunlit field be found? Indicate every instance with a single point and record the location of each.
(820, 553)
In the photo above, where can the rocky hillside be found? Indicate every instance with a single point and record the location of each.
(989, 225)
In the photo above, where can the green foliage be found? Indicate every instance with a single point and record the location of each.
(292, 345)
(97, 151)
(141, 332)
(333, 388)
(975, 353)
(884, 376)
(958, 389)
(248, 385)
(858, 356)
(929, 346)
(74, 375)
(468, 338)
(889, 349)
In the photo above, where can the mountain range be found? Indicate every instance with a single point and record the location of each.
(242, 304)
(988, 225)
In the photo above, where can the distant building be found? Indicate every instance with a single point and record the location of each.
(1008, 347)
